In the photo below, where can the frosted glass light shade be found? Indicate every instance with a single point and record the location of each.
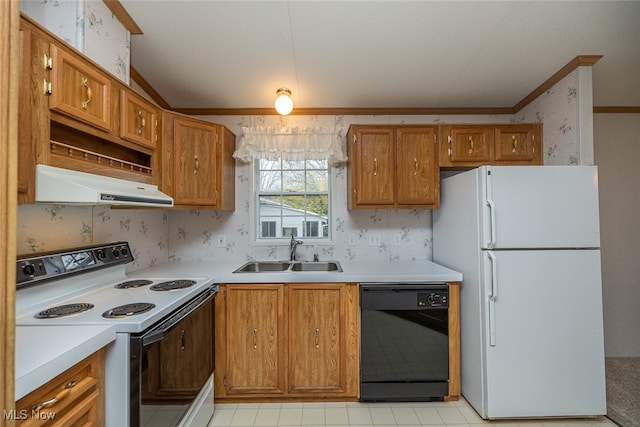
(284, 103)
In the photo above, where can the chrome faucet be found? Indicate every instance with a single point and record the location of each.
(292, 247)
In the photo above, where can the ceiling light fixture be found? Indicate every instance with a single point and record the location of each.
(284, 103)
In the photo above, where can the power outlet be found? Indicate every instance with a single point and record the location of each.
(397, 239)
(352, 239)
(374, 239)
(222, 241)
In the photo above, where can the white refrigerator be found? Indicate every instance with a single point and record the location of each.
(526, 239)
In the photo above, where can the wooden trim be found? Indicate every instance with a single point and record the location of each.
(342, 111)
(454, 342)
(578, 61)
(9, 79)
(617, 110)
(123, 16)
(149, 90)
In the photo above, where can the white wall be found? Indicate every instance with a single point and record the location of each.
(617, 155)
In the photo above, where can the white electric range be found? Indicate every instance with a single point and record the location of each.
(89, 286)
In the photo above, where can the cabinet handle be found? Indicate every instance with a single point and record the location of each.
(197, 166)
(375, 166)
(142, 122)
(415, 167)
(183, 339)
(255, 339)
(86, 102)
(57, 398)
(317, 338)
(449, 141)
(470, 145)
(515, 143)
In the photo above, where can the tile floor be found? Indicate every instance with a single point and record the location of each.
(458, 414)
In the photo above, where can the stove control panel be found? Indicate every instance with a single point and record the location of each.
(37, 268)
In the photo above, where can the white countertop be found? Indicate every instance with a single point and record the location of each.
(353, 271)
(43, 352)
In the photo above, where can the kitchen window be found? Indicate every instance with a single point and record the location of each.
(292, 198)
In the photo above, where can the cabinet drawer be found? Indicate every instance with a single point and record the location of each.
(76, 394)
(79, 90)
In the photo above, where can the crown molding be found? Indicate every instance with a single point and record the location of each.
(123, 16)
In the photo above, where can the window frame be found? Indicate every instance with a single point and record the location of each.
(256, 221)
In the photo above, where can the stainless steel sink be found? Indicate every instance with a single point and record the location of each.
(289, 266)
(316, 266)
(264, 266)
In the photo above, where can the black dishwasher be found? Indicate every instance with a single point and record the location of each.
(404, 343)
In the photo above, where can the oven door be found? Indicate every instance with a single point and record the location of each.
(172, 367)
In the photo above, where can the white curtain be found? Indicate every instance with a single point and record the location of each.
(291, 144)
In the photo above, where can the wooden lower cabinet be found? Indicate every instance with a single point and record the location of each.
(80, 398)
(287, 342)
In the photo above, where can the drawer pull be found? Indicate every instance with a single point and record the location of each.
(470, 145)
(317, 339)
(515, 144)
(57, 398)
(255, 339)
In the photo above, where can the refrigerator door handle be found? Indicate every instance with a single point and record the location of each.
(492, 220)
(492, 298)
(492, 209)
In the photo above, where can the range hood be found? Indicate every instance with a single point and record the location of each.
(64, 186)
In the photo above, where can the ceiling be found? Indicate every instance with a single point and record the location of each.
(380, 54)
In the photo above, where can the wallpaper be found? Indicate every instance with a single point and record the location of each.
(48, 227)
(557, 108)
(90, 27)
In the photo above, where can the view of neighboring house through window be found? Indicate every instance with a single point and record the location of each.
(292, 198)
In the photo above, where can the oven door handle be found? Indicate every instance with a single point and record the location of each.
(160, 331)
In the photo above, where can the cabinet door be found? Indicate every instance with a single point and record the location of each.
(417, 167)
(194, 162)
(79, 90)
(516, 144)
(137, 119)
(255, 339)
(317, 338)
(469, 145)
(373, 163)
(190, 346)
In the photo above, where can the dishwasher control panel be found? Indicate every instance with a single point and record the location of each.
(433, 299)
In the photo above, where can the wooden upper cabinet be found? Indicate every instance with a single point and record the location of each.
(197, 163)
(393, 167)
(255, 338)
(194, 164)
(138, 119)
(520, 144)
(469, 144)
(417, 171)
(79, 90)
(477, 145)
(372, 160)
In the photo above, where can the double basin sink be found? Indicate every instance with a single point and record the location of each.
(289, 266)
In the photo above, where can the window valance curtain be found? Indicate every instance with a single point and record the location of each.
(291, 144)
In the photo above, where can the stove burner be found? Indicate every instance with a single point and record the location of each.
(64, 310)
(173, 284)
(128, 310)
(133, 284)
